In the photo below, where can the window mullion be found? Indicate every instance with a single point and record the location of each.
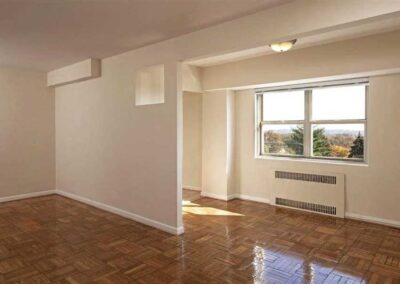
(258, 129)
(307, 123)
(281, 122)
(366, 122)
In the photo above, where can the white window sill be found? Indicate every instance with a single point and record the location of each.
(313, 161)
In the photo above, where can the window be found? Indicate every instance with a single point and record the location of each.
(325, 121)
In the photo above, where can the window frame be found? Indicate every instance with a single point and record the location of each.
(308, 122)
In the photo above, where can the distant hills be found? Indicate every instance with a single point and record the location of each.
(328, 132)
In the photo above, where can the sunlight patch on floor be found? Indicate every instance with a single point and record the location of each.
(208, 211)
(194, 208)
(189, 203)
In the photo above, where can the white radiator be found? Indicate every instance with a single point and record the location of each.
(317, 192)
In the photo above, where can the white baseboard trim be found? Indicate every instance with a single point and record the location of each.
(26, 195)
(123, 213)
(370, 219)
(349, 215)
(218, 196)
(195, 188)
(252, 198)
(179, 230)
(233, 196)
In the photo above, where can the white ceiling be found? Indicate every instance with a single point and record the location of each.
(48, 34)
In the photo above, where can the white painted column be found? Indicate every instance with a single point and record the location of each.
(218, 145)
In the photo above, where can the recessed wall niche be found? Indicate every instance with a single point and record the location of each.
(149, 85)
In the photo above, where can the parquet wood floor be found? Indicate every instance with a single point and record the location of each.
(53, 239)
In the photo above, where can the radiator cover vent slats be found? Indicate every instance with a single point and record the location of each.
(312, 191)
(305, 177)
(306, 206)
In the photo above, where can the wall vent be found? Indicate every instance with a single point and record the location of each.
(305, 177)
(306, 206)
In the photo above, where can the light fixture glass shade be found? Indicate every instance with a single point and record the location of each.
(283, 46)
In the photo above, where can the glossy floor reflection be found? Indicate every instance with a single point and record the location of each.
(57, 240)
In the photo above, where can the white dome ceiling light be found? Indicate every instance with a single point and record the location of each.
(282, 46)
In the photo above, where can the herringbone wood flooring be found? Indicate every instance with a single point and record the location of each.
(53, 239)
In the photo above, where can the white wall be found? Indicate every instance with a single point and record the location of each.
(230, 142)
(116, 153)
(214, 178)
(191, 78)
(27, 158)
(371, 190)
(79, 71)
(149, 85)
(218, 144)
(192, 140)
(130, 157)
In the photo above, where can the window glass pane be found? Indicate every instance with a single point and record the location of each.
(345, 102)
(287, 105)
(338, 140)
(282, 139)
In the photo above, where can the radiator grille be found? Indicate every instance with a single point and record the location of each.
(306, 177)
(306, 206)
